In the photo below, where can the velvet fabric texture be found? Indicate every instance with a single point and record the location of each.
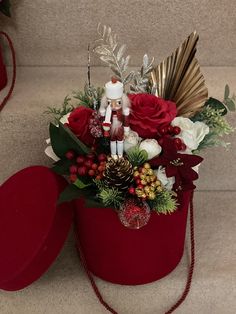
(33, 228)
(3, 72)
(131, 257)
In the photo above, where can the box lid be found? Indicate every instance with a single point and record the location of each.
(33, 228)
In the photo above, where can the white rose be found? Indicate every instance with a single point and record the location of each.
(152, 148)
(131, 140)
(165, 181)
(192, 133)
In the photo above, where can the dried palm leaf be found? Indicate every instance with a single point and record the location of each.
(179, 79)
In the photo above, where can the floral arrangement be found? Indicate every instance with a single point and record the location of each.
(5, 7)
(134, 144)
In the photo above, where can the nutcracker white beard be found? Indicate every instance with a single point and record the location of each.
(115, 126)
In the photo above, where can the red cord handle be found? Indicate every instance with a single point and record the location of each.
(190, 272)
(5, 100)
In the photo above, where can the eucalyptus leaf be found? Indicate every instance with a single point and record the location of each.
(230, 104)
(226, 91)
(80, 184)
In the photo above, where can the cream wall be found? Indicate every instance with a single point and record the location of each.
(56, 32)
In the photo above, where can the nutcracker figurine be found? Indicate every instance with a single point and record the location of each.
(115, 110)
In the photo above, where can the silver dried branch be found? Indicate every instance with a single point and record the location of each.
(111, 53)
(141, 78)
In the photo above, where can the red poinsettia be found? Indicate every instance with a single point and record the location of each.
(178, 165)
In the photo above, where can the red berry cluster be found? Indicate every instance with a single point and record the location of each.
(179, 144)
(87, 165)
(170, 131)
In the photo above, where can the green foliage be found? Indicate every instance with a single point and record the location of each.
(213, 115)
(211, 140)
(5, 7)
(215, 120)
(58, 113)
(80, 184)
(218, 126)
(164, 203)
(230, 102)
(90, 96)
(100, 184)
(62, 166)
(63, 140)
(136, 156)
(70, 193)
(215, 104)
(111, 197)
(81, 188)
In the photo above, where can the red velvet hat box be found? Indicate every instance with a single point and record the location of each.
(131, 257)
(33, 228)
(3, 72)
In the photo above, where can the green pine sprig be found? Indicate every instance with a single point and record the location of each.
(215, 120)
(164, 203)
(111, 197)
(58, 113)
(218, 126)
(136, 156)
(90, 97)
(213, 114)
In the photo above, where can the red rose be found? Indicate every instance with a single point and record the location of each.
(79, 124)
(150, 113)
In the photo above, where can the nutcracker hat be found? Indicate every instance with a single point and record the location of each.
(114, 89)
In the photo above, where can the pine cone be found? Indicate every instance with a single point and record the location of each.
(118, 173)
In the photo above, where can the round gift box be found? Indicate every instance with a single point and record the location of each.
(131, 257)
(3, 75)
(33, 228)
